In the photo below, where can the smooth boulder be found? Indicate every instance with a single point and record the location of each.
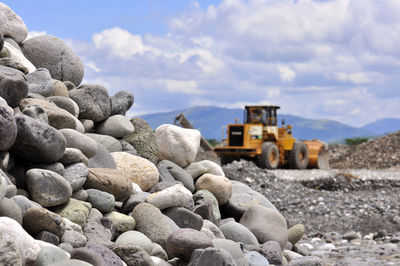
(116, 126)
(219, 186)
(179, 145)
(13, 85)
(40, 82)
(11, 24)
(80, 141)
(8, 126)
(174, 196)
(55, 55)
(121, 102)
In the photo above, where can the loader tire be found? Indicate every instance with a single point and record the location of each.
(225, 159)
(298, 156)
(269, 157)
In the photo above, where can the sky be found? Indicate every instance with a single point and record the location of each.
(331, 59)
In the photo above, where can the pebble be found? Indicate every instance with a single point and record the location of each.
(177, 173)
(10, 209)
(108, 256)
(211, 257)
(49, 255)
(234, 250)
(11, 24)
(116, 126)
(47, 187)
(135, 238)
(60, 89)
(265, 224)
(65, 103)
(76, 175)
(79, 141)
(110, 143)
(75, 210)
(73, 156)
(36, 220)
(140, 171)
(102, 159)
(13, 85)
(121, 222)
(100, 200)
(40, 82)
(48, 237)
(197, 169)
(295, 233)
(184, 218)
(183, 242)
(36, 112)
(255, 259)
(175, 196)
(203, 196)
(133, 255)
(238, 233)
(219, 186)
(97, 230)
(87, 255)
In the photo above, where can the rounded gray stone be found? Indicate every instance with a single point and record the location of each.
(11, 24)
(109, 257)
(178, 173)
(184, 218)
(233, 248)
(49, 255)
(55, 55)
(76, 175)
(37, 141)
(126, 147)
(93, 101)
(116, 126)
(40, 82)
(55, 167)
(100, 200)
(295, 233)
(102, 159)
(135, 238)
(121, 102)
(238, 233)
(87, 255)
(255, 259)
(24, 203)
(203, 196)
(36, 112)
(47, 188)
(72, 156)
(80, 141)
(13, 85)
(8, 126)
(109, 142)
(211, 257)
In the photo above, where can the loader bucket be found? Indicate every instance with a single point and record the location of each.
(317, 154)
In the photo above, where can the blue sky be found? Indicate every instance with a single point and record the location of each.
(335, 59)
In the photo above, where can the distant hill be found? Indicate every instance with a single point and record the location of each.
(383, 126)
(210, 120)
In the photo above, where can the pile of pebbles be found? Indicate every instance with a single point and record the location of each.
(81, 184)
(379, 153)
(350, 216)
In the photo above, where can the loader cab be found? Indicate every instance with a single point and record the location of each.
(261, 114)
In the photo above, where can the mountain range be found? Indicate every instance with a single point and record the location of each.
(211, 120)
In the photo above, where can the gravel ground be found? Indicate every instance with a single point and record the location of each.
(337, 201)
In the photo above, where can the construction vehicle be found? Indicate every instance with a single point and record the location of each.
(259, 138)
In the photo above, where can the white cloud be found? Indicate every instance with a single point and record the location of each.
(335, 59)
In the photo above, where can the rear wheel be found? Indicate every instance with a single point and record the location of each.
(269, 157)
(298, 156)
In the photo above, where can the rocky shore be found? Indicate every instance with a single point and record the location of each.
(81, 184)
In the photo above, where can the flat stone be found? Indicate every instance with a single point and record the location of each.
(48, 188)
(100, 200)
(15, 53)
(10, 209)
(255, 259)
(55, 167)
(13, 85)
(40, 82)
(179, 145)
(182, 242)
(116, 126)
(143, 140)
(24, 203)
(219, 186)
(111, 143)
(265, 224)
(8, 126)
(202, 196)
(49, 255)
(135, 238)
(36, 220)
(133, 255)
(238, 233)
(121, 102)
(48, 237)
(93, 101)
(130, 203)
(55, 55)
(75, 210)
(178, 173)
(58, 118)
(151, 222)
(185, 218)
(210, 227)
(140, 171)
(112, 181)
(175, 196)
(242, 198)
(197, 169)
(11, 24)
(306, 261)
(87, 255)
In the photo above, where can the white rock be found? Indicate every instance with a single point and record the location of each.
(136, 188)
(11, 230)
(219, 186)
(19, 57)
(174, 196)
(204, 167)
(290, 255)
(179, 145)
(140, 170)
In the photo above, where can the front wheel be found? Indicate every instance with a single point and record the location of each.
(298, 156)
(269, 157)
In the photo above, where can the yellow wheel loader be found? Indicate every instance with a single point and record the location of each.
(261, 139)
